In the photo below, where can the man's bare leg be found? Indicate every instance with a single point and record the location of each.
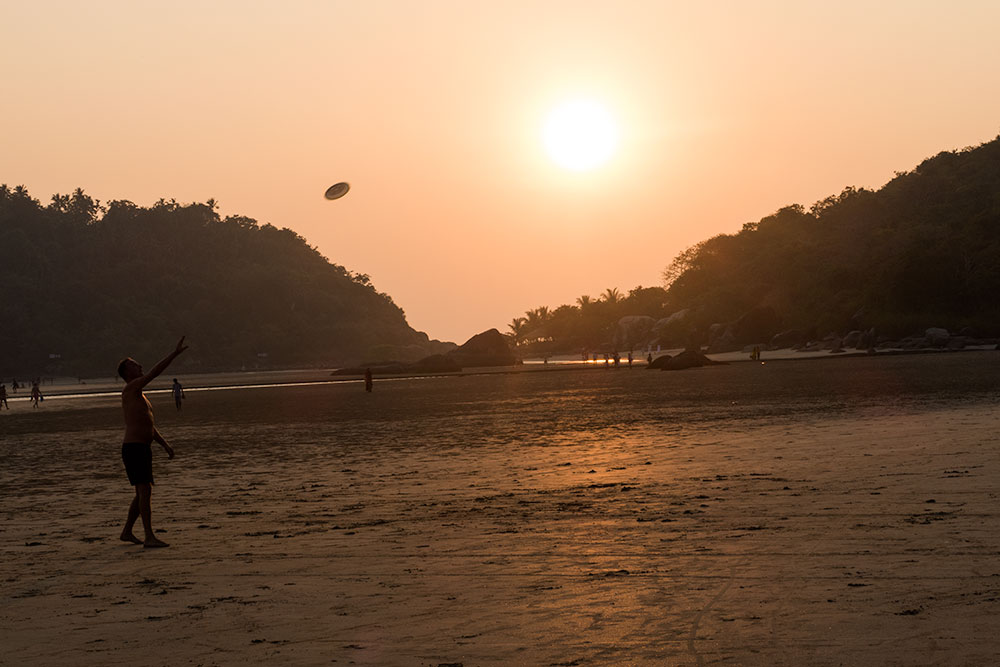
(144, 491)
(133, 514)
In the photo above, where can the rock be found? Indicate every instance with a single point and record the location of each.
(789, 338)
(674, 318)
(659, 362)
(724, 343)
(867, 341)
(956, 343)
(937, 337)
(833, 343)
(489, 348)
(436, 363)
(853, 338)
(672, 330)
(759, 323)
(688, 359)
(858, 318)
(633, 331)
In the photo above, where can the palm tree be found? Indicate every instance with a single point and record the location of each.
(516, 327)
(584, 301)
(611, 295)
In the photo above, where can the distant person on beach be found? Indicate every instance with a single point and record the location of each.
(36, 394)
(139, 434)
(649, 358)
(3, 396)
(368, 380)
(178, 392)
(630, 358)
(14, 386)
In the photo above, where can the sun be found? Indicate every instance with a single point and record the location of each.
(580, 135)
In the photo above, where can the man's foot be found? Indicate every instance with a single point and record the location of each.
(129, 537)
(153, 543)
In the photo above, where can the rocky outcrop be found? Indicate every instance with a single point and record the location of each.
(633, 331)
(489, 348)
(760, 323)
(792, 338)
(658, 363)
(937, 337)
(673, 330)
(688, 359)
(722, 339)
(853, 338)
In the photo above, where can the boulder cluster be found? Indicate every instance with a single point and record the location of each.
(489, 348)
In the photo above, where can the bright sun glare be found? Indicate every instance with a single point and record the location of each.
(580, 135)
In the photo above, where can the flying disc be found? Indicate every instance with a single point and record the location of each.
(337, 191)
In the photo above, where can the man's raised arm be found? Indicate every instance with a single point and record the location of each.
(160, 366)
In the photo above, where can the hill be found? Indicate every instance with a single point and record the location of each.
(921, 252)
(86, 284)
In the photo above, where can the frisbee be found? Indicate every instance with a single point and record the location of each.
(337, 191)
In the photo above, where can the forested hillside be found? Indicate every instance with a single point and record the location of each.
(923, 251)
(82, 285)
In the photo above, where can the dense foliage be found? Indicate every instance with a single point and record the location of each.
(923, 251)
(588, 326)
(84, 285)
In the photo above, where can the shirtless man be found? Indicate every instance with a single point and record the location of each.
(139, 434)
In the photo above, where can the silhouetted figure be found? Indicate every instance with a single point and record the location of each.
(14, 386)
(3, 396)
(36, 394)
(368, 380)
(617, 357)
(178, 391)
(630, 358)
(649, 358)
(139, 434)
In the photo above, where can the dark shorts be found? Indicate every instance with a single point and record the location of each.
(138, 459)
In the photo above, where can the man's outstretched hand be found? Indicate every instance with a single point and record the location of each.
(180, 346)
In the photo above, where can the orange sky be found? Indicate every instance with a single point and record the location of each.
(433, 109)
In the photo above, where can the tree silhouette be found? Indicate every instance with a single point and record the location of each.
(92, 283)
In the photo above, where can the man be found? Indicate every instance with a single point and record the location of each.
(139, 434)
(3, 396)
(36, 394)
(178, 392)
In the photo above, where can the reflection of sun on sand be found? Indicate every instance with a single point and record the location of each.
(835, 517)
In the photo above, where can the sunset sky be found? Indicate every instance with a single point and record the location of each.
(434, 111)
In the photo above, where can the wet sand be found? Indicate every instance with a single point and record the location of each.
(823, 513)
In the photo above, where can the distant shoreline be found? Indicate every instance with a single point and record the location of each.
(68, 387)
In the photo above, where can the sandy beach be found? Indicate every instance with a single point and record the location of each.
(839, 512)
